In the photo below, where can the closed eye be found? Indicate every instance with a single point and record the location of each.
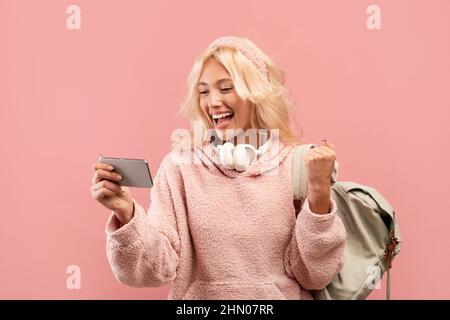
(223, 89)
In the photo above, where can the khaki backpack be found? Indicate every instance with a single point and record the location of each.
(373, 235)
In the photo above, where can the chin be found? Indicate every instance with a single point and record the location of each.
(221, 133)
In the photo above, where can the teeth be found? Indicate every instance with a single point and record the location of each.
(218, 116)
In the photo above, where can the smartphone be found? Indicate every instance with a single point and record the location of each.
(134, 172)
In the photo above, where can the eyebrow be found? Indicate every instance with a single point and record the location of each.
(218, 81)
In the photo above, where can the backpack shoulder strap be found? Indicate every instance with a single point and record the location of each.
(299, 175)
(299, 172)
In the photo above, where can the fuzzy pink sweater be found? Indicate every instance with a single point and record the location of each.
(217, 233)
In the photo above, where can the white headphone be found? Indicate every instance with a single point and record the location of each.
(241, 156)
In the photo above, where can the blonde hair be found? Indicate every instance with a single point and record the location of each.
(271, 107)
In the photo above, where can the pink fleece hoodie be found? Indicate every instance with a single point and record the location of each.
(217, 233)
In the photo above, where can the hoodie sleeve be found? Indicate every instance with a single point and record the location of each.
(145, 251)
(315, 253)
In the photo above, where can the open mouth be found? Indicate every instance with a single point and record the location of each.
(223, 119)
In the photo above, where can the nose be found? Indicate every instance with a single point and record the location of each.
(216, 99)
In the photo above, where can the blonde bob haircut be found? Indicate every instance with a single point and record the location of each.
(271, 107)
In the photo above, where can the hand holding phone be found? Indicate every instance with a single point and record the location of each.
(110, 181)
(134, 172)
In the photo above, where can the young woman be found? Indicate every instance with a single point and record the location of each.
(222, 225)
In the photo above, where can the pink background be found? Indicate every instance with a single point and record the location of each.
(113, 87)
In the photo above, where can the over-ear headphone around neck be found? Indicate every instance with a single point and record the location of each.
(241, 156)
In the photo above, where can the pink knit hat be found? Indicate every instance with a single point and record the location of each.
(242, 45)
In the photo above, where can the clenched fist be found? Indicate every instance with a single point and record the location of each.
(319, 162)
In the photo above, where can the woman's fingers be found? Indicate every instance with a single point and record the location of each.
(113, 186)
(101, 165)
(326, 149)
(104, 188)
(101, 174)
(101, 193)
